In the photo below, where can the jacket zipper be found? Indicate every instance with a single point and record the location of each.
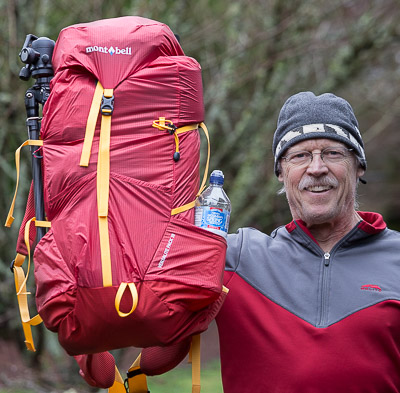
(325, 292)
(327, 259)
(324, 289)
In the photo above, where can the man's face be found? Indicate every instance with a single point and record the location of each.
(320, 192)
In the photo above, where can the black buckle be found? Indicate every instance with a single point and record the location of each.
(132, 374)
(12, 266)
(126, 385)
(107, 106)
(171, 128)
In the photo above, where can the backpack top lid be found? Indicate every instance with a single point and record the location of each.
(113, 49)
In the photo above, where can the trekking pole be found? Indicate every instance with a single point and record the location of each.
(37, 54)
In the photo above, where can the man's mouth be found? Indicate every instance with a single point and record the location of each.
(318, 189)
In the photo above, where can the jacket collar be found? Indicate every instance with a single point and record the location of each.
(371, 224)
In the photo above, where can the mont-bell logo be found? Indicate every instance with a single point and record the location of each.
(110, 50)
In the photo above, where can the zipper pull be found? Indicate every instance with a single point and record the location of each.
(327, 257)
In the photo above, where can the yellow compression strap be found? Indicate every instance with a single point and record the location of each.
(136, 380)
(103, 171)
(22, 297)
(20, 286)
(29, 142)
(194, 358)
(167, 125)
(46, 224)
(190, 205)
(91, 125)
(118, 386)
(103, 183)
(118, 297)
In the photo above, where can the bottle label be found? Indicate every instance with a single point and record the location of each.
(208, 217)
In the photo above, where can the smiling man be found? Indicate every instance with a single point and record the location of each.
(315, 306)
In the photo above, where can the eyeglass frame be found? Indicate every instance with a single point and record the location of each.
(310, 155)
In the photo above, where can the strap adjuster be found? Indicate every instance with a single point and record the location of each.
(107, 106)
(132, 374)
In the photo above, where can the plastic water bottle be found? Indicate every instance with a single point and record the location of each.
(213, 207)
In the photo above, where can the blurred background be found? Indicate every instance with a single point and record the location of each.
(254, 54)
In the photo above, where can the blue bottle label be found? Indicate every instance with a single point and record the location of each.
(215, 218)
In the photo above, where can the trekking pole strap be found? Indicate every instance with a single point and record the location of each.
(29, 142)
(26, 320)
(20, 286)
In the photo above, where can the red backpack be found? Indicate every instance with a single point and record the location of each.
(122, 263)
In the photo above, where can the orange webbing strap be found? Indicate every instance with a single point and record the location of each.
(30, 142)
(91, 125)
(118, 386)
(194, 358)
(103, 184)
(190, 205)
(20, 286)
(22, 297)
(136, 381)
(167, 125)
(118, 297)
(103, 171)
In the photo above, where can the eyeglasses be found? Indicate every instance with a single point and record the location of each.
(330, 155)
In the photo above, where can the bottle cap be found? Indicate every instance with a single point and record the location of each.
(217, 177)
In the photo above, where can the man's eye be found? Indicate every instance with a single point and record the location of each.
(299, 155)
(332, 153)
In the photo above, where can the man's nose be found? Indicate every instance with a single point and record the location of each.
(317, 166)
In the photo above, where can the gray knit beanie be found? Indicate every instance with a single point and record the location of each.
(307, 116)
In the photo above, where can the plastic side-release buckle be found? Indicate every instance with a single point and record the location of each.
(107, 105)
(140, 387)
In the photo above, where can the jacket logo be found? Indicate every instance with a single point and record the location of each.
(370, 287)
(111, 50)
(166, 250)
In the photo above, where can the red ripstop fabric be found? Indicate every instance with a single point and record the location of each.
(177, 267)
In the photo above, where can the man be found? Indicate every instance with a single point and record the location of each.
(315, 306)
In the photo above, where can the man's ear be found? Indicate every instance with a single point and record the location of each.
(360, 172)
(280, 177)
